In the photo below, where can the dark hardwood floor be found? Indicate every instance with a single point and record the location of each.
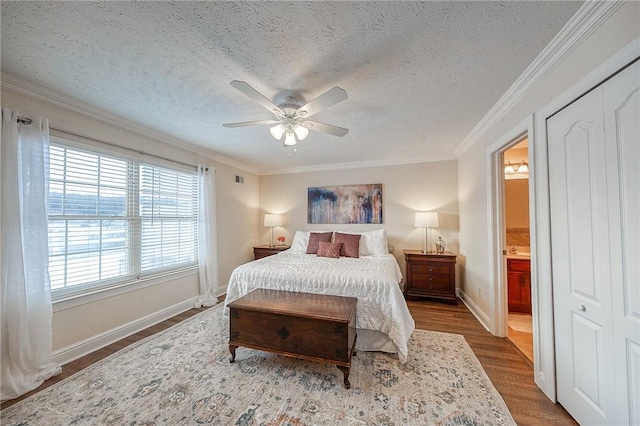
(506, 367)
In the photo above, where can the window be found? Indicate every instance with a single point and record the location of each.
(114, 220)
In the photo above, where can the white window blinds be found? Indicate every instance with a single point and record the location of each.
(114, 220)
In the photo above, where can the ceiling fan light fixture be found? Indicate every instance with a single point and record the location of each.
(290, 123)
(301, 131)
(277, 131)
(290, 139)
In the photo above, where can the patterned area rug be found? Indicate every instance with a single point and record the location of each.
(183, 376)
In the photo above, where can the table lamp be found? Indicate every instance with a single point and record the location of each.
(426, 221)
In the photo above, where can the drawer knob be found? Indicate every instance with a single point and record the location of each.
(430, 269)
(582, 308)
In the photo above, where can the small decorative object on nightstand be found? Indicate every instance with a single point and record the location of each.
(263, 251)
(431, 275)
(440, 245)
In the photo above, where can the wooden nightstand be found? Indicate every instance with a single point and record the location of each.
(266, 250)
(431, 275)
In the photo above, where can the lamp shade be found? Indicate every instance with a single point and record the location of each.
(301, 132)
(509, 168)
(426, 220)
(277, 131)
(290, 138)
(272, 220)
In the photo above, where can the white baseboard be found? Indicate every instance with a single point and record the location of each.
(475, 310)
(86, 346)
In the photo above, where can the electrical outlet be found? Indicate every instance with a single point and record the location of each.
(479, 292)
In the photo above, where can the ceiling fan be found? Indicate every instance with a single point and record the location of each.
(292, 120)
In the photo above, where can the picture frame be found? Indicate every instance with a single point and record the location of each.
(345, 204)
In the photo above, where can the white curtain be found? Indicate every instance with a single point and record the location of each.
(207, 236)
(25, 302)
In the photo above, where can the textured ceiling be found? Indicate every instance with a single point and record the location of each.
(419, 75)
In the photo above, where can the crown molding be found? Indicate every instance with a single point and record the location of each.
(586, 20)
(22, 87)
(352, 165)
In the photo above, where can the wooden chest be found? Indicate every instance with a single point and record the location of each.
(302, 325)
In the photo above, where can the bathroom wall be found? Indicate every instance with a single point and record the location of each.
(516, 199)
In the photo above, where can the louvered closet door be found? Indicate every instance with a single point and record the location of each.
(594, 159)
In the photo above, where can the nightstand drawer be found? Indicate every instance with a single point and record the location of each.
(263, 251)
(432, 282)
(431, 269)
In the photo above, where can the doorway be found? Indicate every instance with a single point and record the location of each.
(518, 248)
(543, 372)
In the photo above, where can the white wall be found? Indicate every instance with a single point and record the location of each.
(620, 29)
(406, 189)
(237, 217)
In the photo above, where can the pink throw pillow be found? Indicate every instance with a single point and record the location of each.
(326, 249)
(315, 238)
(350, 244)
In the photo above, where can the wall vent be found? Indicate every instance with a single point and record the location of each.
(239, 179)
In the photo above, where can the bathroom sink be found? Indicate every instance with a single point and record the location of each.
(519, 255)
(518, 252)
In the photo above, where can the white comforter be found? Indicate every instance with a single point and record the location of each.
(372, 279)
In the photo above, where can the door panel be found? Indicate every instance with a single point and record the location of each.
(622, 131)
(581, 195)
(580, 256)
(587, 347)
(633, 375)
(594, 179)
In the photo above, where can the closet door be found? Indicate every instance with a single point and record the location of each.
(594, 225)
(622, 133)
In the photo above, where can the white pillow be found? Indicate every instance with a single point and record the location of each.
(300, 242)
(372, 243)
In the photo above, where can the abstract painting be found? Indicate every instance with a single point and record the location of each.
(345, 204)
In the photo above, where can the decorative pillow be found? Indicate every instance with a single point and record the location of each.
(315, 238)
(327, 249)
(350, 244)
(300, 242)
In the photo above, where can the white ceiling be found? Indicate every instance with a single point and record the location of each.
(419, 76)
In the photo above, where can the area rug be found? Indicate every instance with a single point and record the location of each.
(182, 376)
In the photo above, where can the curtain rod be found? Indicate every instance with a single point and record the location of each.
(125, 148)
(24, 120)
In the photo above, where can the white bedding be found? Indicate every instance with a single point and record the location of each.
(372, 279)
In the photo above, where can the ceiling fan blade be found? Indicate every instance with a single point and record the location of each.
(256, 96)
(325, 128)
(322, 102)
(251, 123)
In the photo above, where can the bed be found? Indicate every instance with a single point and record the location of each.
(383, 320)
